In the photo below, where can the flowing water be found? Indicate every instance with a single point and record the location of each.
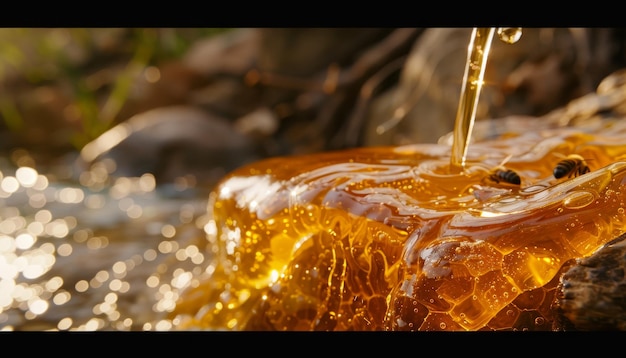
(99, 254)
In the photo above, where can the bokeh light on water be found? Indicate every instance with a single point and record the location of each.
(95, 253)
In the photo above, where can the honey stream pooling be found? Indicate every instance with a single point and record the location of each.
(392, 239)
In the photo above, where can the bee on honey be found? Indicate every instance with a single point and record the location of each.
(571, 166)
(500, 174)
(505, 175)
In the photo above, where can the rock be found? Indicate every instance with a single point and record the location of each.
(231, 52)
(593, 291)
(171, 142)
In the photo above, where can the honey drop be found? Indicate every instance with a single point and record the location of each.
(509, 35)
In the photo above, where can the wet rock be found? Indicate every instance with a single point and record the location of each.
(261, 122)
(172, 142)
(593, 291)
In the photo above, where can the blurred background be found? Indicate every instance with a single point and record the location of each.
(112, 138)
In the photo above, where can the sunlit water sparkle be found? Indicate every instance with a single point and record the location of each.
(100, 253)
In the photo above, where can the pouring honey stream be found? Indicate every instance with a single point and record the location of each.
(417, 237)
(478, 53)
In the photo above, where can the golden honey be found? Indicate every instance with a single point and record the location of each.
(427, 237)
(392, 239)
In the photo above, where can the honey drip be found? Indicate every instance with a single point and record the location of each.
(477, 55)
(478, 52)
(390, 238)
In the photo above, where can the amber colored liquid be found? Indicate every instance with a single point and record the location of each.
(409, 238)
(478, 53)
(390, 239)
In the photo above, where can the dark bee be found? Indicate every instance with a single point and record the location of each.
(505, 175)
(500, 174)
(572, 166)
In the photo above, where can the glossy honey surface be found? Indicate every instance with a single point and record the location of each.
(392, 239)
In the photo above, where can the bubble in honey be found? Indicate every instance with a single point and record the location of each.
(509, 35)
(578, 199)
